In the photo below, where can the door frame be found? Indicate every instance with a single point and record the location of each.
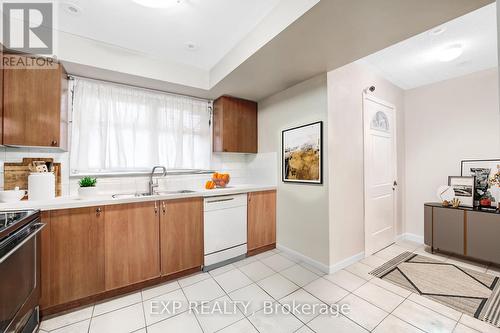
(366, 96)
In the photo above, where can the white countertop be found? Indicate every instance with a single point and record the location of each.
(103, 200)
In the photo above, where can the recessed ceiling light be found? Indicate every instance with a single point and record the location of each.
(191, 46)
(437, 31)
(158, 3)
(72, 8)
(450, 52)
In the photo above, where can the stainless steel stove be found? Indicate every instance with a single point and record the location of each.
(19, 270)
(10, 218)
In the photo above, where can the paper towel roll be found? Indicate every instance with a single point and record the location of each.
(41, 186)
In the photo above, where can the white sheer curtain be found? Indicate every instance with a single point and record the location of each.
(119, 128)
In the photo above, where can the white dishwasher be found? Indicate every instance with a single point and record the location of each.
(225, 229)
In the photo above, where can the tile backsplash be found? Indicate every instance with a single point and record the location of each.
(244, 169)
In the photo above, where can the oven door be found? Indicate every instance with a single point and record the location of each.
(19, 274)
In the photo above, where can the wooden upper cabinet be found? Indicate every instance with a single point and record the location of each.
(35, 106)
(131, 243)
(261, 219)
(181, 230)
(72, 255)
(234, 125)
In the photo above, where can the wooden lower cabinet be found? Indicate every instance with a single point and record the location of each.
(181, 230)
(261, 219)
(45, 261)
(88, 253)
(131, 244)
(75, 262)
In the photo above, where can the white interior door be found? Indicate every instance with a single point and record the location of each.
(380, 173)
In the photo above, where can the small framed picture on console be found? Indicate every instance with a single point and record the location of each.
(463, 186)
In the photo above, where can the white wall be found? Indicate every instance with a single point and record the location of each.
(345, 136)
(447, 122)
(302, 210)
(244, 169)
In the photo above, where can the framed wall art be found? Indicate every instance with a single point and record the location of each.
(483, 170)
(302, 154)
(464, 189)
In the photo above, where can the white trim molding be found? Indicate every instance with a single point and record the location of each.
(411, 237)
(299, 256)
(318, 265)
(346, 262)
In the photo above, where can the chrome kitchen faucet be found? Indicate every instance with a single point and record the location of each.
(153, 182)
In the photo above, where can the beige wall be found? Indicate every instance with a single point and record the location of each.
(447, 122)
(302, 210)
(345, 144)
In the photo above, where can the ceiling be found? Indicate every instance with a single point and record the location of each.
(298, 39)
(414, 62)
(213, 27)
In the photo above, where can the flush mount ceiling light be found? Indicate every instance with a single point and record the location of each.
(191, 46)
(437, 31)
(71, 8)
(158, 3)
(450, 52)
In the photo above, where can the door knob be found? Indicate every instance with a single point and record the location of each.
(54, 143)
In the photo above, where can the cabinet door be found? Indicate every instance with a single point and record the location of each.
(482, 236)
(448, 229)
(261, 219)
(32, 106)
(45, 300)
(235, 125)
(76, 254)
(131, 244)
(181, 235)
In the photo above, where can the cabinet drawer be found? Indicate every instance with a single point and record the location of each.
(448, 229)
(482, 236)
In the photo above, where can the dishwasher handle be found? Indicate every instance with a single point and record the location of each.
(219, 200)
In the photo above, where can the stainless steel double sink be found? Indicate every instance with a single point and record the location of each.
(141, 195)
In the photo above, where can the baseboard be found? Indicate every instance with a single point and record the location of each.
(346, 262)
(299, 256)
(411, 237)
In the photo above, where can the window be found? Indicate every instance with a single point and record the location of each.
(117, 128)
(380, 122)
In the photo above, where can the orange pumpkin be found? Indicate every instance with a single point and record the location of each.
(210, 185)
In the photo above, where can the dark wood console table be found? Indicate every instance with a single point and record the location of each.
(469, 232)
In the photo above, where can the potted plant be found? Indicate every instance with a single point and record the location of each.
(495, 181)
(88, 187)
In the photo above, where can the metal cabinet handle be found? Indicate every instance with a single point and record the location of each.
(98, 211)
(164, 207)
(156, 207)
(54, 143)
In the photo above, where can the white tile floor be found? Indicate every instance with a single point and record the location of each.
(375, 305)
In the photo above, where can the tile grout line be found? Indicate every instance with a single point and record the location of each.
(278, 301)
(143, 311)
(189, 308)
